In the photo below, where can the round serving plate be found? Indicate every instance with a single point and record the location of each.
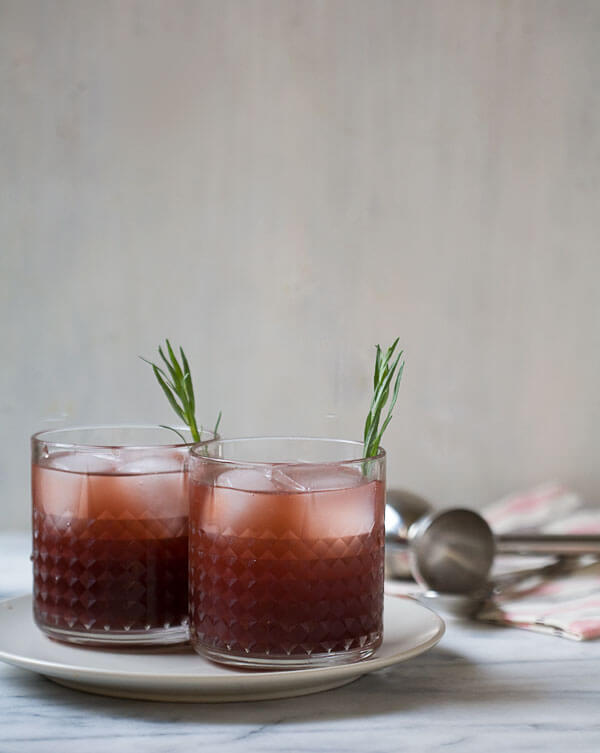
(178, 674)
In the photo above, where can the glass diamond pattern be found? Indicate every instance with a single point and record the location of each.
(109, 574)
(286, 597)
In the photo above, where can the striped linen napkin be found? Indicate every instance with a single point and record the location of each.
(565, 602)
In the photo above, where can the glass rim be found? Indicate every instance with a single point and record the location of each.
(44, 436)
(195, 452)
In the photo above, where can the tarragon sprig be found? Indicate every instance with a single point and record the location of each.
(176, 383)
(386, 365)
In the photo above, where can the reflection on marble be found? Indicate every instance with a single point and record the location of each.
(483, 688)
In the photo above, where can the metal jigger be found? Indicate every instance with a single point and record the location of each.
(451, 552)
(402, 510)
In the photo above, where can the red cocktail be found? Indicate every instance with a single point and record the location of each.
(286, 558)
(110, 526)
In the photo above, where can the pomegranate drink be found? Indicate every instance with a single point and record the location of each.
(110, 547)
(286, 561)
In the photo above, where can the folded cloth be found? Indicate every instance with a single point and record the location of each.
(567, 605)
(563, 602)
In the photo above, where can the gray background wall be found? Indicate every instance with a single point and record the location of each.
(279, 186)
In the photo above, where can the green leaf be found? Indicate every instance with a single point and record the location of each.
(154, 366)
(187, 381)
(169, 395)
(171, 428)
(391, 350)
(175, 363)
(377, 367)
(177, 382)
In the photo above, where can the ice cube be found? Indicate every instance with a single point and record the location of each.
(285, 480)
(132, 463)
(315, 478)
(144, 487)
(337, 513)
(57, 493)
(94, 485)
(60, 486)
(248, 480)
(341, 502)
(252, 503)
(83, 462)
(266, 479)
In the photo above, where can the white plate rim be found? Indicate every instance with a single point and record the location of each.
(355, 669)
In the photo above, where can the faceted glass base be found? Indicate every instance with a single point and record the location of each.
(105, 582)
(115, 638)
(296, 661)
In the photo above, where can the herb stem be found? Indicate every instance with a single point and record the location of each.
(387, 365)
(176, 383)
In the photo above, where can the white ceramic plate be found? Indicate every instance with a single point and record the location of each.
(181, 675)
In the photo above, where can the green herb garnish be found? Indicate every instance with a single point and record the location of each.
(385, 368)
(176, 383)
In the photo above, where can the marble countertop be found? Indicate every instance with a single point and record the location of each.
(482, 688)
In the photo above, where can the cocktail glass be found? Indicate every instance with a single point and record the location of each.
(286, 551)
(110, 534)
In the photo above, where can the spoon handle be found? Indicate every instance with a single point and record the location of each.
(545, 543)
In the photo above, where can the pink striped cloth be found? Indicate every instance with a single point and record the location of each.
(564, 603)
